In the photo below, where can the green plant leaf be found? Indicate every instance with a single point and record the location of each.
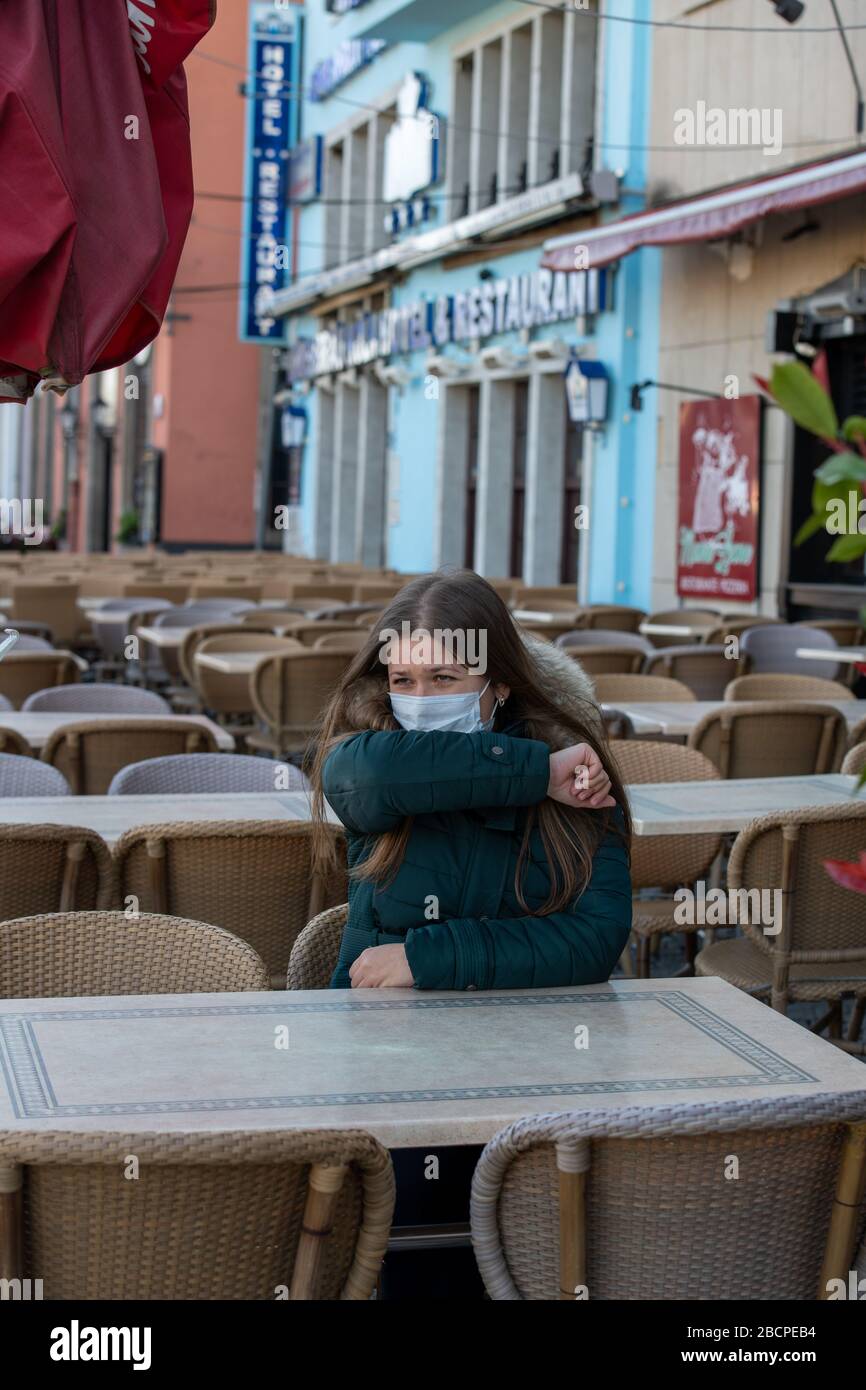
(804, 399)
(847, 548)
(854, 427)
(841, 467)
(811, 525)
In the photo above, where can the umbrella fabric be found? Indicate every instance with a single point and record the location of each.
(90, 241)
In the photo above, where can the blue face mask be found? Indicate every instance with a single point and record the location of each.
(453, 714)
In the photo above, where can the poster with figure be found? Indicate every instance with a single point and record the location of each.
(719, 499)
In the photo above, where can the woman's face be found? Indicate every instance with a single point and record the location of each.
(444, 677)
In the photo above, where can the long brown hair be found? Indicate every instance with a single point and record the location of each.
(462, 602)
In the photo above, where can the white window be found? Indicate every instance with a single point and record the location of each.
(523, 102)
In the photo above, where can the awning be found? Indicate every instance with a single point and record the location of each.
(713, 215)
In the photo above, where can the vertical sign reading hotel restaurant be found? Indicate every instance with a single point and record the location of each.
(717, 546)
(271, 130)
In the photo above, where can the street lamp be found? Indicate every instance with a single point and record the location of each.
(69, 418)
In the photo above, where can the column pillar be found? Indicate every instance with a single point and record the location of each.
(493, 500)
(545, 459)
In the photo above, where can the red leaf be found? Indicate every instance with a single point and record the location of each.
(848, 874)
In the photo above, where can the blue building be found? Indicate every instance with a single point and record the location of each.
(444, 142)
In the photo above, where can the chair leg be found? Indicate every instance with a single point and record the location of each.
(834, 1020)
(642, 963)
(856, 1022)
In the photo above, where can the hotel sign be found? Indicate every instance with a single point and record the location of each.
(271, 130)
(493, 307)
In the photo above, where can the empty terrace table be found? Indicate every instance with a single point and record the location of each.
(676, 719)
(112, 816)
(853, 656)
(235, 663)
(37, 726)
(414, 1068)
(647, 629)
(725, 807)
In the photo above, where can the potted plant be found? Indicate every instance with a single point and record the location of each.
(127, 535)
(838, 481)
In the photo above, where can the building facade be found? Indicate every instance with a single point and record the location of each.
(756, 190)
(174, 443)
(427, 344)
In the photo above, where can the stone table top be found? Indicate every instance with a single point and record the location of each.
(412, 1067)
(679, 717)
(112, 816)
(37, 726)
(698, 808)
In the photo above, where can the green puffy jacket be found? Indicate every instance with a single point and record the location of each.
(452, 903)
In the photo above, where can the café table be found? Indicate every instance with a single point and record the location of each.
(677, 718)
(37, 726)
(647, 629)
(166, 637)
(235, 663)
(725, 807)
(112, 816)
(411, 1067)
(850, 655)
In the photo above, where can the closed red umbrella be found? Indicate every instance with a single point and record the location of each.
(97, 187)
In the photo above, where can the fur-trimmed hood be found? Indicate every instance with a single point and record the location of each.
(562, 678)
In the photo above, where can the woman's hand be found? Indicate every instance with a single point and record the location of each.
(577, 778)
(381, 967)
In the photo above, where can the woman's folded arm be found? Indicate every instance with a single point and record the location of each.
(579, 946)
(374, 780)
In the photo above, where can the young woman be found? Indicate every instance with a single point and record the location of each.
(487, 828)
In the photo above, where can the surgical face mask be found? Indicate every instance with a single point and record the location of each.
(453, 714)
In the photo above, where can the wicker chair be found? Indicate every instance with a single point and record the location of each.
(857, 734)
(606, 660)
(326, 591)
(235, 1215)
(736, 625)
(251, 877)
(772, 738)
(206, 772)
(23, 673)
(631, 1204)
(54, 604)
(67, 954)
(603, 637)
(350, 641)
(99, 697)
(846, 632)
(91, 752)
(612, 617)
(770, 687)
(624, 690)
(54, 868)
(310, 633)
(820, 951)
(705, 670)
(315, 953)
(617, 724)
(772, 649)
(29, 777)
(289, 691)
(855, 760)
(13, 742)
(28, 643)
(227, 694)
(664, 861)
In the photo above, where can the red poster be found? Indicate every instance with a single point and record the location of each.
(717, 546)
